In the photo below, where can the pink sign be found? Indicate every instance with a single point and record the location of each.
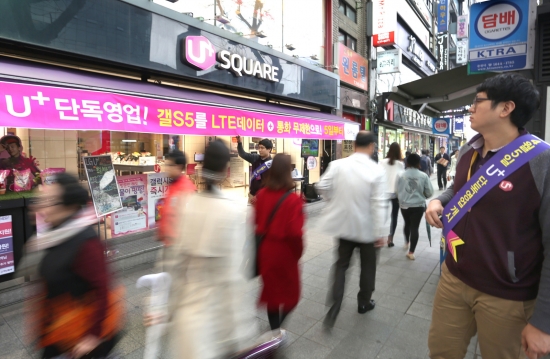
(133, 215)
(46, 107)
(200, 52)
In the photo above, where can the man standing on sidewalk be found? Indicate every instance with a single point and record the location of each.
(442, 159)
(261, 163)
(496, 278)
(426, 163)
(355, 188)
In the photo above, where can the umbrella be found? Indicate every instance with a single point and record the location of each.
(429, 230)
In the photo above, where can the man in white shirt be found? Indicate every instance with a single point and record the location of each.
(356, 190)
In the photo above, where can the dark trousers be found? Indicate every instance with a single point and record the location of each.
(366, 280)
(412, 217)
(276, 318)
(442, 178)
(394, 214)
(102, 351)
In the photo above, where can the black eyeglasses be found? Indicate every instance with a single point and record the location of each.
(478, 100)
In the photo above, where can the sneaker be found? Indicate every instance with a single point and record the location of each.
(410, 256)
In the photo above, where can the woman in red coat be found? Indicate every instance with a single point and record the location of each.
(282, 245)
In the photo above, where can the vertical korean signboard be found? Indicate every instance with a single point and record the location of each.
(462, 27)
(443, 16)
(7, 264)
(384, 22)
(157, 188)
(443, 51)
(352, 66)
(500, 35)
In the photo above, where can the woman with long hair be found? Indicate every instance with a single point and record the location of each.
(393, 164)
(413, 188)
(279, 218)
(207, 305)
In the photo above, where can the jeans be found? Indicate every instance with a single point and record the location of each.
(412, 217)
(394, 214)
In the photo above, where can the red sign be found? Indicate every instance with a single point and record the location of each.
(157, 168)
(352, 67)
(384, 39)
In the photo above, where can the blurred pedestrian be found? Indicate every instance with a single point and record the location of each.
(207, 297)
(79, 313)
(452, 167)
(279, 217)
(413, 188)
(407, 154)
(496, 281)
(260, 165)
(442, 159)
(356, 190)
(426, 163)
(393, 165)
(174, 165)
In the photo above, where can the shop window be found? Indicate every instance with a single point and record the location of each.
(347, 10)
(347, 40)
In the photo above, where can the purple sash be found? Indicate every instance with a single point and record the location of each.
(505, 162)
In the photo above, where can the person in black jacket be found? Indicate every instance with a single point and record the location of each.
(257, 160)
(442, 168)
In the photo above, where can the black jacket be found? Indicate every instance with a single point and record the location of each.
(256, 161)
(441, 168)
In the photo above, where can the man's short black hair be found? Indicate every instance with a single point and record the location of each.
(442, 147)
(425, 152)
(413, 160)
(266, 143)
(364, 139)
(516, 88)
(73, 193)
(178, 157)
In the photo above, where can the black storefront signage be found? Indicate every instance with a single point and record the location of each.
(415, 51)
(412, 118)
(115, 32)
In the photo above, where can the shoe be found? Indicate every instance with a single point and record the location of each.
(363, 308)
(391, 244)
(330, 319)
(410, 256)
(390, 241)
(441, 189)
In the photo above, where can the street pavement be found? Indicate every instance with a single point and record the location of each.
(397, 328)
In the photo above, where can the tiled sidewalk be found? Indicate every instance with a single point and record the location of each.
(396, 328)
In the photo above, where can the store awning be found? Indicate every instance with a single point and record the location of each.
(80, 100)
(444, 91)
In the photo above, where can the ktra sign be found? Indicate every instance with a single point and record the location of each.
(500, 35)
(199, 52)
(441, 126)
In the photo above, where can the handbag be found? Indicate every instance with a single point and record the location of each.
(258, 238)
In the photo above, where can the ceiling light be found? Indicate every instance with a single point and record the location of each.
(129, 141)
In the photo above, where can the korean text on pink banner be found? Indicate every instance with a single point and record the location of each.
(46, 107)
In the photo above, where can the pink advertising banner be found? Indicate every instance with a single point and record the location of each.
(46, 107)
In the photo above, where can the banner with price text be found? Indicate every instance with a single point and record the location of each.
(47, 107)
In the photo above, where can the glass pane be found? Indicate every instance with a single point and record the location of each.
(342, 7)
(352, 43)
(350, 12)
(342, 38)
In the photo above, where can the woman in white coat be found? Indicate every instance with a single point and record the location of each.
(393, 164)
(452, 167)
(208, 310)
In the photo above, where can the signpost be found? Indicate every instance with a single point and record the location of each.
(502, 35)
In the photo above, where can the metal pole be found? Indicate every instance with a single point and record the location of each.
(215, 11)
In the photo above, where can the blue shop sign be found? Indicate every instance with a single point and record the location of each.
(499, 33)
(442, 15)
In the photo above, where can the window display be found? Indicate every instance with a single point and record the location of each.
(24, 172)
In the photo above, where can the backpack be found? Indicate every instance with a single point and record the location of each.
(424, 164)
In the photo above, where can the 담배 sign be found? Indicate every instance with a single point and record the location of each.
(500, 38)
(133, 215)
(7, 264)
(157, 188)
(103, 184)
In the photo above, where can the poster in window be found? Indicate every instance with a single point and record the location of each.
(103, 186)
(7, 264)
(133, 215)
(157, 188)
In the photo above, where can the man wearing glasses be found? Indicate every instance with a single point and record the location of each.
(497, 281)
